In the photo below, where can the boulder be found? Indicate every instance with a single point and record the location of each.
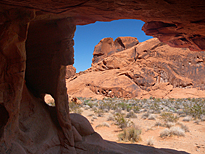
(70, 71)
(107, 47)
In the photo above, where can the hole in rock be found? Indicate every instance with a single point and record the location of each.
(4, 118)
(88, 36)
(49, 100)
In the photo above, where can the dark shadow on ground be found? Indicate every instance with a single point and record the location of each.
(142, 149)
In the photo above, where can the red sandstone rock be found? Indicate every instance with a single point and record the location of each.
(46, 29)
(177, 23)
(107, 47)
(81, 124)
(150, 68)
(70, 71)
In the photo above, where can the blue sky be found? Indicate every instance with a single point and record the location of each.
(87, 36)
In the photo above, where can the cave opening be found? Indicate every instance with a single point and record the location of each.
(49, 49)
(49, 100)
(40, 70)
(88, 36)
(48, 44)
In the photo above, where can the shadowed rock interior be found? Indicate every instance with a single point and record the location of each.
(36, 44)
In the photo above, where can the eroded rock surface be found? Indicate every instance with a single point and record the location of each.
(107, 47)
(70, 71)
(177, 23)
(150, 68)
(36, 46)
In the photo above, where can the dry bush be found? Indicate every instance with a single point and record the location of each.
(104, 124)
(172, 131)
(110, 118)
(187, 118)
(99, 112)
(150, 141)
(169, 124)
(75, 108)
(169, 117)
(184, 127)
(177, 131)
(131, 114)
(121, 121)
(165, 132)
(130, 134)
(158, 123)
(145, 115)
(152, 117)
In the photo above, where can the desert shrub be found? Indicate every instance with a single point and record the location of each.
(144, 100)
(90, 104)
(75, 108)
(151, 97)
(121, 121)
(202, 117)
(130, 134)
(197, 121)
(106, 105)
(128, 107)
(131, 114)
(169, 117)
(158, 123)
(187, 118)
(196, 108)
(150, 141)
(155, 105)
(99, 112)
(172, 131)
(171, 100)
(145, 115)
(122, 105)
(94, 117)
(86, 101)
(86, 107)
(169, 124)
(110, 118)
(151, 117)
(177, 131)
(104, 124)
(184, 127)
(136, 109)
(165, 132)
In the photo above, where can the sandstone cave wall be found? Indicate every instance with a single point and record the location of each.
(28, 70)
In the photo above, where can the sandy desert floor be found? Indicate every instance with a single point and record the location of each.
(193, 142)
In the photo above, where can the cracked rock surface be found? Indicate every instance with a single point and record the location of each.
(146, 69)
(36, 45)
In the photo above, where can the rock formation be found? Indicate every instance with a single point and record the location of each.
(70, 71)
(36, 45)
(107, 47)
(146, 69)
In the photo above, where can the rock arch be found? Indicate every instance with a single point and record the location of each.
(35, 47)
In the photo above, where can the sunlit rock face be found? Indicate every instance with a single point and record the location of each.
(107, 47)
(35, 47)
(149, 68)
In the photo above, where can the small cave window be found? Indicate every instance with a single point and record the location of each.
(49, 100)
